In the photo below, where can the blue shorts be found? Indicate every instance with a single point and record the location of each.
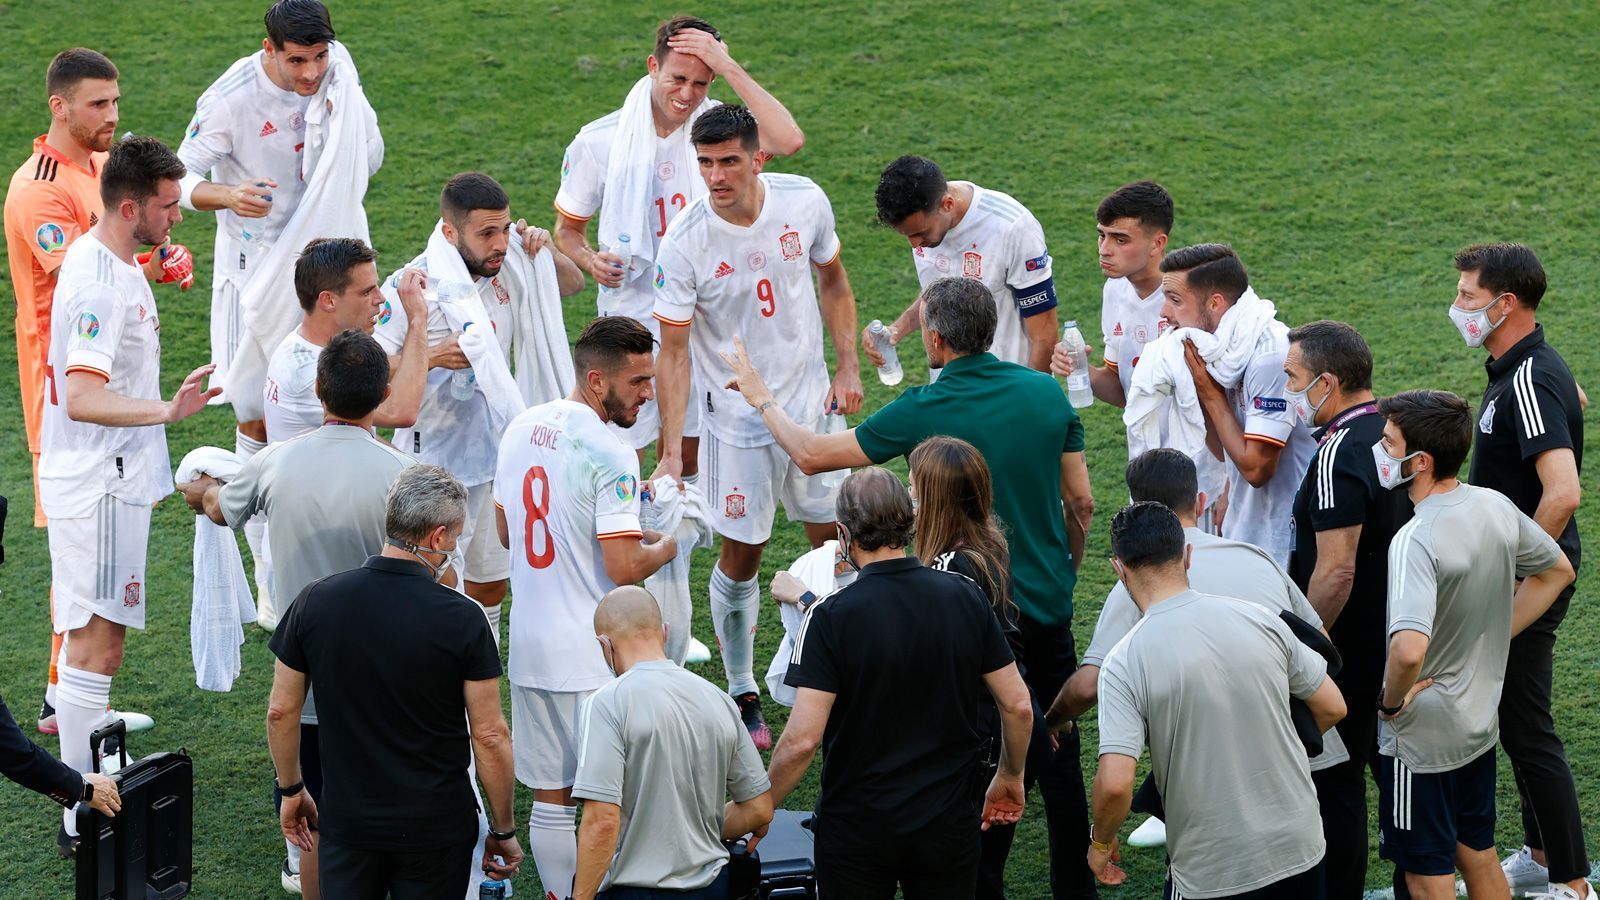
(1422, 817)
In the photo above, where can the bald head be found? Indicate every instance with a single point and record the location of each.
(626, 612)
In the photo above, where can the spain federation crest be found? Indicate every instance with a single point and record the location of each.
(789, 243)
(733, 506)
(972, 264)
(132, 594)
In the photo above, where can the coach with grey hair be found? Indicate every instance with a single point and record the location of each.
(400, 661)
(889, 672)
(1023, 425)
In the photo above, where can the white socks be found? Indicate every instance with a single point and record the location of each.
(493, 614)
(83, 699)
(294, 855)
(553, 843)
(734, 605)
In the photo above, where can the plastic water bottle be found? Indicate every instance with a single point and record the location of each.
(624, 252)
(1078, 391)
(252, 243)
(491, 889)
(834, 423)
(890, 372)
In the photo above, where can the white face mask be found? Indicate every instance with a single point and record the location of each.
(1474, 325)
(1389, 468)
(1304, 411)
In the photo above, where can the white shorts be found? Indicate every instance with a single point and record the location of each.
(97, 565)
(544, 736)
(744, 484)
(479, 551)
(227, 316)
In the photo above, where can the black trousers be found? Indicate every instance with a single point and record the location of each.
(1551, 820)
(996, 842)
(1342, 789)
(1049, 658)
(351, 873)
(936, 862)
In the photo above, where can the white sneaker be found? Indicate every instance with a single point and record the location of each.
(289, 879)
(133, 720)
(1153, 833)
(1555, 890)
(698, 652)
(1523, 874)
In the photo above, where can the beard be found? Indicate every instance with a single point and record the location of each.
(482, 266)
(92, 138)
(149, 234)
(619, 412)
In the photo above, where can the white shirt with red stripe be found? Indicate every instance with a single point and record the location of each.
(566, 483)
(1264, 515)
(1127, 323)
(104, 322)
(755, 283)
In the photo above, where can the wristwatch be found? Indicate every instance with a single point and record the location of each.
(291, 790)
(762, 409)
(503, 835)
(88, 791)
(1389, 710)
(806, 600)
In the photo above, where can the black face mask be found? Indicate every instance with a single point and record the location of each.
(436, 571)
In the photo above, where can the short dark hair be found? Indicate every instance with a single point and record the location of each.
(303, 22)
(1506, 268)
(607, 342)
(1438, 423)
(666, 30)
(1210, 268)
(1146, 535)
(876, 509)
(727, 122)
(1335, 348)
(325, 264)
(962, 311)
(1165, 476)
(1143, 200)
(75, 65)
(352, 373)
(468, 191)
(135, 169)
(911, 184)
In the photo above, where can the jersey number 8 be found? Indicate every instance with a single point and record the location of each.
(536, 513)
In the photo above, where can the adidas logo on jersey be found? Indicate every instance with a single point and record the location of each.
(268, 129)
(1117, 331)
(723, 269)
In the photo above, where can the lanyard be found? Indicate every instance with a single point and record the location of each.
(1344, 418)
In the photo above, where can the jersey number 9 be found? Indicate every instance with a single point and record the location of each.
(536, 512)
(769, 300)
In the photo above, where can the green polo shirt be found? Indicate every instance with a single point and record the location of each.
(1021, 422)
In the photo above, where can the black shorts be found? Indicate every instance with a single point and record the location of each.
(1421, 817)
(1308, 885)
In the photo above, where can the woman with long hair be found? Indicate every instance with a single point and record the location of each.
(957, 531)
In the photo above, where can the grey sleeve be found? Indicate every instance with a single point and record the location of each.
(1536, 550)
(747, 777)
(1121, 719)
(601, 752)
(1307, 668)
(241, 498)
(1299, 605)
(1413, 583)
(1117, 618)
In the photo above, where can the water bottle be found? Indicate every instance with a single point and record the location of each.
(609, 295)
(462, 384)
(834, 423)
(252, 243)
(491, 889)
(1078, 391)
(890, 372)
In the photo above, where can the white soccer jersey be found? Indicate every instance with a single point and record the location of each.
(755, 283)
(245, 127)
(104, 321)
(1001, 244)
(456, 434)
(1264, 516)
(583, 182)
(566, 483)
(289, 396)
(1127, 323)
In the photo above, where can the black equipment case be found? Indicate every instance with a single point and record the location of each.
(147, 851)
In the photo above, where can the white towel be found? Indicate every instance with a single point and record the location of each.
(539, 335)
(625, 207)
(815, 571)
(464, 312)
(222, 603)
(343, 149)
(681, 514)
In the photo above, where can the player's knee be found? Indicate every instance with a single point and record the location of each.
(256, 430)
(487, 593)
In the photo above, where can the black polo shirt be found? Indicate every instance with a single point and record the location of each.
(904, 650)
(1530, 406)
(1341, 489)
(388, 650)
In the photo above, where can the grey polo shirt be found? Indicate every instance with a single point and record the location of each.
(668, 747)
(1452, 576)
(324, 493)
(1227, 569)
(1206, 681)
